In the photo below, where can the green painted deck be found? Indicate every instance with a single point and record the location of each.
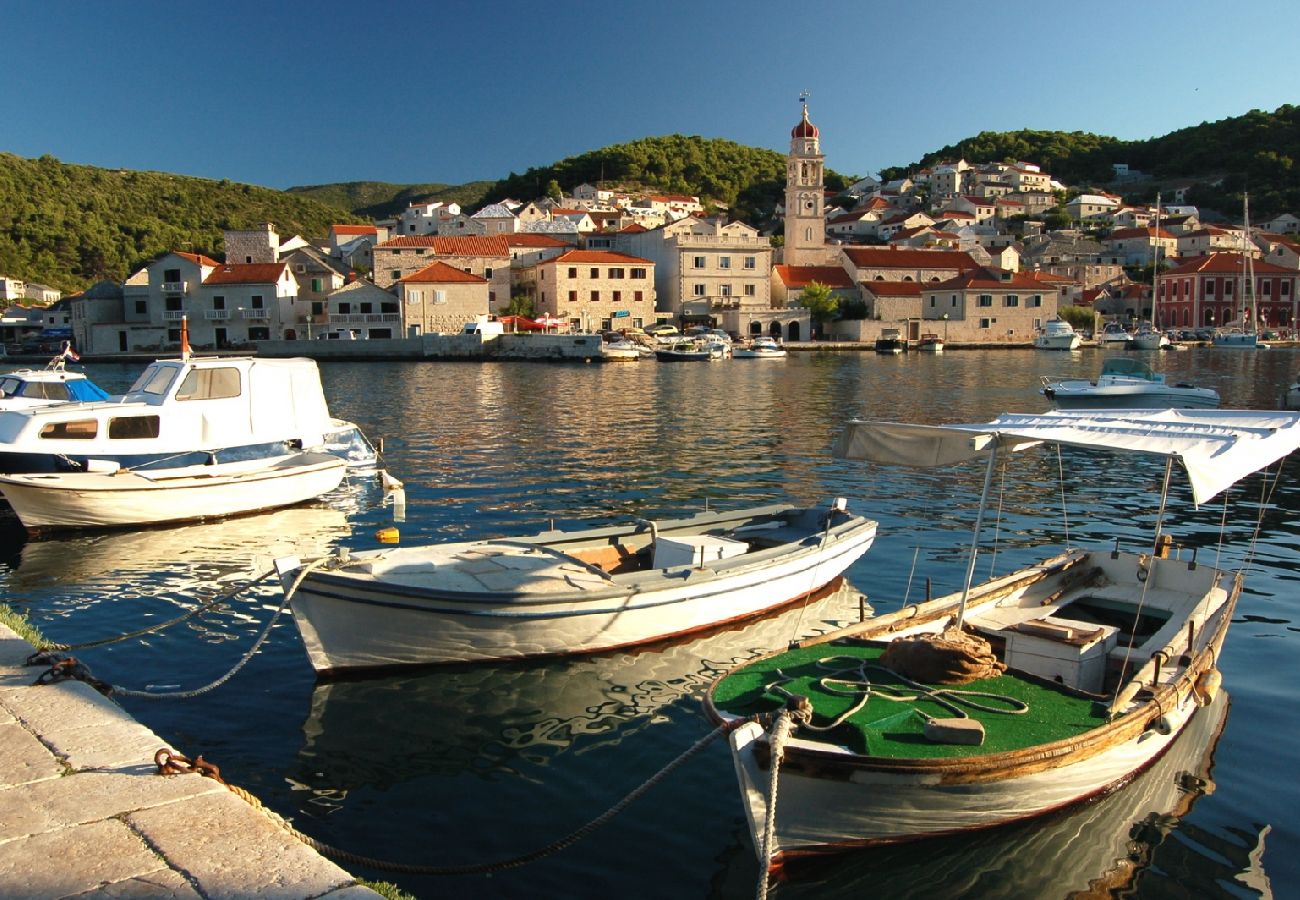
(893, 728)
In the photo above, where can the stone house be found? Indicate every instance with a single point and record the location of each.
(1211, 290)
(242, 303)
(485, 256)
(871, 264)
(593, 289)
(1139, 246)
(440, 299)
(358, 310)
(989, 305)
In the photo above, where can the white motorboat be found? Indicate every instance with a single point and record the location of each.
(1127, 383)
(561, 593)
(182, 412)
(760, 348)
(683, 351)
(621, 351)
(930, 343)
(109, 497)
(891, 340)
(1114, 336)
(1148, 338)
(26, 388)
(1006, 700)
(1057, 334)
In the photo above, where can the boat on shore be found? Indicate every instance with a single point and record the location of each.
(560, 593)
(1057, 334)
(1126, 383)
(109, 497)
(186, 412)
(1007, 700)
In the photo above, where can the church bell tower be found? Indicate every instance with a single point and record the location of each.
(805, 195)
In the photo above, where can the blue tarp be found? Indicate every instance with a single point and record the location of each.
(84, 390)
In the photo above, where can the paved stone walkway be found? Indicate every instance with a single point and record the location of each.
(83, 812)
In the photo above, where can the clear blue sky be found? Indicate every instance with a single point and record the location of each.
(280, 93)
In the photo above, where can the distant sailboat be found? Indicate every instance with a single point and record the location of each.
(1241, 333)
(1148, 337)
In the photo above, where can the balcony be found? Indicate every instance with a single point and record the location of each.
(173, 315)
(173, 287)
(254, 314)
(217, 314)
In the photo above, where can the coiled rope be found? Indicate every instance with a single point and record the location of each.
(170, 763)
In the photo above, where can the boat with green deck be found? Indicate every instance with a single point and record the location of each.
(1005, 700)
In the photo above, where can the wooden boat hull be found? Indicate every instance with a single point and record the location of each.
(124, 499)
(831, 799)
(550, 603)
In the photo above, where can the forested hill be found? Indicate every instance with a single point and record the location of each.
(749, 180)
(381, 200)
(1256, 153)
(69, 226)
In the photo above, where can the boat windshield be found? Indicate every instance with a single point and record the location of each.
(1124, 365)
(154, 380)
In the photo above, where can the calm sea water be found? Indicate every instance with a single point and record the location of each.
(461, 766)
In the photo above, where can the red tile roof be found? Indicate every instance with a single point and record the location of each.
(197, 258)
(896, 258)
(596, 256)
(354, 229)
(988, 279)
(802, 276)
(1226, 264)
(893, 288)
(246, 273)
(533, 240)
(1123, 234)
(460, 245)
(441, 273)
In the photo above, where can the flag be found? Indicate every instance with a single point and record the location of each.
(185, 339)
(70, 354)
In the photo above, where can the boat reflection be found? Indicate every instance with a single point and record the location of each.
(209, 550)
(510, 719)
(1100, 849)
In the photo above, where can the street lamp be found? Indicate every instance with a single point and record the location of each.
(945, 327)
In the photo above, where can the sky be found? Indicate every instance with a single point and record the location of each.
(281, 93)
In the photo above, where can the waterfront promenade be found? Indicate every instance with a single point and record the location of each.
(84, 812)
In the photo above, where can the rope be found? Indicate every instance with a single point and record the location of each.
(346, 856)
(63, 669)
(781, 730)
(203, 607)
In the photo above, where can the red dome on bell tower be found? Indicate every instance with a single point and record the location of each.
(804, 129)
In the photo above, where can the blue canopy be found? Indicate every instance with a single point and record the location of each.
(85, 390)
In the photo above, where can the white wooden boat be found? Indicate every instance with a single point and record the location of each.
(621, 351)
(186, 411)
(1126, 383)
(568, 592)
(1057, 334)
(891, 340)
(760, 348)
(930, 343)
(1148, 338)
(1108, 656)
(1114, 336)
(117, 498)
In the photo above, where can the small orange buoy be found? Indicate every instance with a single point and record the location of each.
(387, 535)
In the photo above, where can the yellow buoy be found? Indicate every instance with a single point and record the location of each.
(387, 535)
(1207, 687)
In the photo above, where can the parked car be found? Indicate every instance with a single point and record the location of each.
(661, 328)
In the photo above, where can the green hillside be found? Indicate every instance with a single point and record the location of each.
(69, 226)
(381, 200)
(1216, 161)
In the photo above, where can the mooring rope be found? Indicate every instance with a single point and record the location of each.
(794, 712)
(140, 632)
(167, 765)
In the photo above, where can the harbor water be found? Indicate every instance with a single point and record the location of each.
(466, 765)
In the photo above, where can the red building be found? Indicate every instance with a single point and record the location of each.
(1211, 290)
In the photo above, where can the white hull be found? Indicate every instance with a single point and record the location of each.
(95, 500)
(1148, 341)
(1058, 342)
(1238, 341)
(745, 353)
(545, 601)
(1141, 395)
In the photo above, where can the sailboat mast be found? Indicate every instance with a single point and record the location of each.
(1248, 264)
(1155, 264)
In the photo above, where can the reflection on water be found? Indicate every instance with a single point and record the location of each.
(461, 766)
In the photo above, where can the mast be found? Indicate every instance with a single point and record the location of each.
(1155, 264)
(1248, 266)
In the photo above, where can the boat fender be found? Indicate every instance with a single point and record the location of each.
(387, 535)
(1207, 687)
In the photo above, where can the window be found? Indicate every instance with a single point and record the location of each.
(636, 297)
(638, 273)
(725, 289)
(573, 271)
(366, 308)
(1286, 288)
(218, 302)
(1011, 300)
(414, 296)
(345, 308)
(615, 273)
(699, 290)
(76, 430)
(751, 262)
(300, 268)
(984, 300)
(573, 296)
(618, 296)
(751, 290)
(132, 427)
(257, 301)
(439, 296)
(171, 275)
(986, 323)
(595, 296)
(141, 307)
(487, 273)
(724, 262)
(317, 285)
(1035, 301)
(594, 273)
(933, 300)
(1268, 288)
(953, 302)
(210, 384)
(172, 304)
(395, 274)
(699, 262)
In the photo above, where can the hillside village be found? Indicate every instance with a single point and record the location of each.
(986, 251)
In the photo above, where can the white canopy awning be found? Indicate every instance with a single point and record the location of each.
(1217, 448)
